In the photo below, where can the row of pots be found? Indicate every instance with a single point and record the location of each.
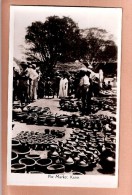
(38, 141)
(47, 118)
(96, 105)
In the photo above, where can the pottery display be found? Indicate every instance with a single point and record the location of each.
(91, 141)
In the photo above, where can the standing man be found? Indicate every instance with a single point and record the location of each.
(84, 87)
(24, 83)
(33, 75)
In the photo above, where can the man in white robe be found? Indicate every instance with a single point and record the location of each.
(101, 78)
(63, 87)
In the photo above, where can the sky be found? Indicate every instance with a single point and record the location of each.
(22, 16)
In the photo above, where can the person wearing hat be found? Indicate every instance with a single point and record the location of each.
(24, 83)
(84, 87)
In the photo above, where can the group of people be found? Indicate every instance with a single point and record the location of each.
(29, 84)
(25, 83)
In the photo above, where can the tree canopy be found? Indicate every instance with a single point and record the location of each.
(60, 39)
(100, 46)
(57, 39)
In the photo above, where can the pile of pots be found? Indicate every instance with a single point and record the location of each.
(29, 114)
(24, 162)
(92, 145)
(105, 104)
(97, 103)
(69, 105)
(108, 93)
(37, 141)
(39, 116)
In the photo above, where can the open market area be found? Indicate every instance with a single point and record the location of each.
(64, 95)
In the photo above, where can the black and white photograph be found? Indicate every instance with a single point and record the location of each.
(64, 96)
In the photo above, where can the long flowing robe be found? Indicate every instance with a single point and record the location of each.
(34, 83)
(63, 87)
(101, 77)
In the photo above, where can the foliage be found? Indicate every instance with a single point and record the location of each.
(100, 46)
(57, 39)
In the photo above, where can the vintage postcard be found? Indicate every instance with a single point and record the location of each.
(64, 96)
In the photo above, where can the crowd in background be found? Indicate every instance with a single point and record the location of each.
(30, 84)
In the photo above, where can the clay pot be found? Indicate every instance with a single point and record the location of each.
(55, 168)
(21, 116)
(53, 132)
(31, 118)
(31, 143)
(41, 119)
(82, 166)
(68, 161)
(30, 164)
(24, 142)
(50, 120)
(18, 168)
(77, 173)
(42, 164)
(15, 144)
(14, 158)
(39, 145)
(108, 165)
(61, 120)
(47, 131)
(22, 151)
(60, 134)
(53, 153)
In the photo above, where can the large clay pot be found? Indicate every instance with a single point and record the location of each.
(30, 164)
(22, 151)
(42, 164)
(108, 165)
(53, 153)
(18, 168)
(55, 168)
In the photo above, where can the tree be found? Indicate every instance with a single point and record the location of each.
(100, 46)
(57, 39)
